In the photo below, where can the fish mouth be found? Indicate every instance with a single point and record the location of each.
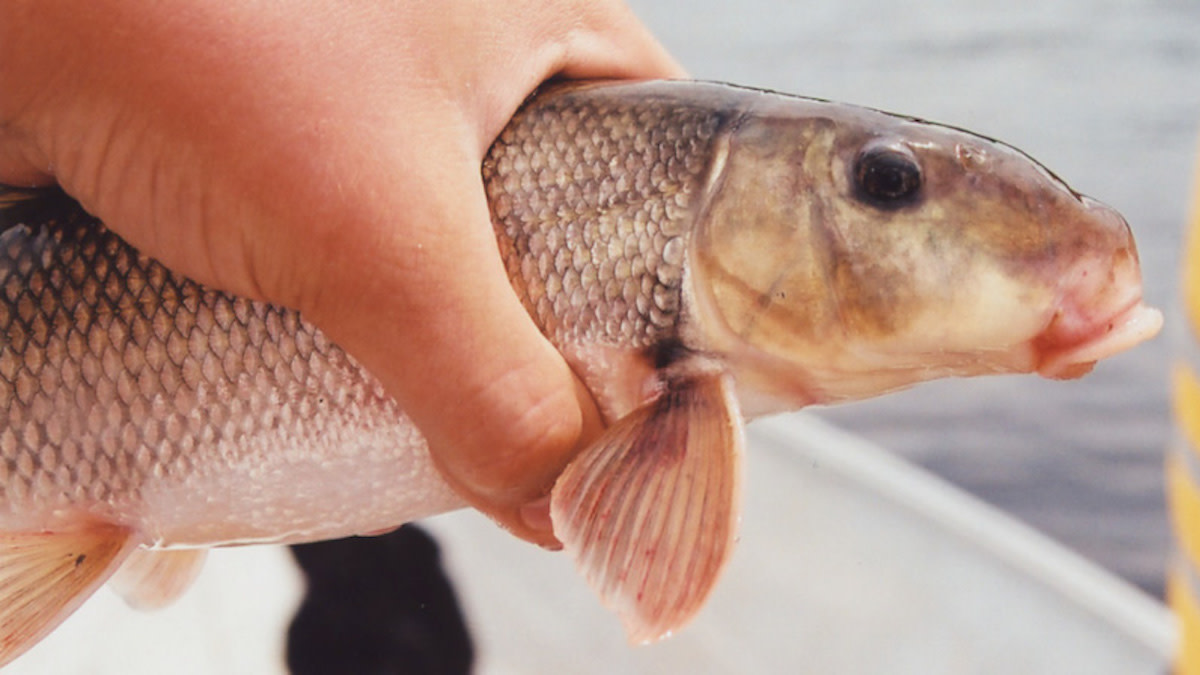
(1067, 352)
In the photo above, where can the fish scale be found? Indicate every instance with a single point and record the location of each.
(594, 199)
(698, 253)
(115, 372)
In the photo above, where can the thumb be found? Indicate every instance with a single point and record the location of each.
(436, 319)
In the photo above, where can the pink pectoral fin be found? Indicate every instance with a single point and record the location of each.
(44, 576)
(650, 510)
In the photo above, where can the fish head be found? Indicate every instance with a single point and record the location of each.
(846, 252)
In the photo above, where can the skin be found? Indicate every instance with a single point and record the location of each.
(325, 156)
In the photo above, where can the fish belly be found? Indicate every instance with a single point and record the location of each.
(133, 396)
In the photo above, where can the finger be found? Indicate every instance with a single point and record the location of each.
(589, 39)
(428, 308)
(528, 413)
(16, 167)
(503, 425)
(616, 44)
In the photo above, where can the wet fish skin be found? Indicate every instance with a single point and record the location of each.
(694, 251)
(854, 299)
(774, 260)
(191, 416)
(795, 285)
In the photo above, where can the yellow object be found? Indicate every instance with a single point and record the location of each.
(1185, 395)
(1183, 497)
(1183, 461)
(1181, 593)
(1191, 266)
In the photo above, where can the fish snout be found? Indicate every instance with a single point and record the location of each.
(1100, 311)
(1111, 225)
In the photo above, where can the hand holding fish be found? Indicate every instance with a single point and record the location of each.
(325, 157)
(698, 254)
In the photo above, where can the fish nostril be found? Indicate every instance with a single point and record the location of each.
(970, 157)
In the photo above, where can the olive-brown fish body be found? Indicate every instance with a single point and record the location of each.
(693, 251)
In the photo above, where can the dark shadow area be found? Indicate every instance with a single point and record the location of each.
(377, 606)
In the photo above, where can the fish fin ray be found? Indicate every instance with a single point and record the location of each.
(45, 576)
(153, 579)
(650, 510)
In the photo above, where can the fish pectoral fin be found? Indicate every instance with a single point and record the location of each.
(650, 510)
(152, 579)
(45, 576)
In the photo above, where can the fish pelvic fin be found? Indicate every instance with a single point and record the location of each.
(152, 579)
(45, 576)
(650, 510)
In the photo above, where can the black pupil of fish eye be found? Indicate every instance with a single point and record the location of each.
(888, 177)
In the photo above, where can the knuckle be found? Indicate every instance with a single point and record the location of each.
(522, 450)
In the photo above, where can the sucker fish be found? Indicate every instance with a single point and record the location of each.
(701, 254)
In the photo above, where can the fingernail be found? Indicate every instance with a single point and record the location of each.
(536, 516)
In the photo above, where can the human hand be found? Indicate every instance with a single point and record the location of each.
(325, 156)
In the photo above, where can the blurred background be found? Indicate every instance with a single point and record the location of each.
(1104, 92)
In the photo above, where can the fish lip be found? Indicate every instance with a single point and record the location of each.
(1132, 324)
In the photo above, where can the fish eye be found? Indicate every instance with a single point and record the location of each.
(887, 176)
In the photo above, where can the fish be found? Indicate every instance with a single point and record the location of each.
(701, 254)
